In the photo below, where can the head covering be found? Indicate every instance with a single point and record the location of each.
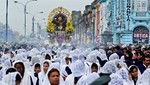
(145, 78)
(13, 53)
(121, 63)
(103, 80)
(92, 58)
(46, 80)
(6, 64)
(113, 56)
(35, 59)
(82, 57)
(10, 79)
(123, 72)
(103, 57)
(139, 73)
(116, 79)
(74, 58)
(78, 68)
(92, 77)
(109, 67)
(42, 73)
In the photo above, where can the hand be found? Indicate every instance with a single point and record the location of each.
(149, 66)
(130, 77)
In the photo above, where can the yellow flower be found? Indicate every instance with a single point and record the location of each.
(69, 27)
(50, 26)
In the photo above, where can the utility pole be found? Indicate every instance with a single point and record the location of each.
(6, 20)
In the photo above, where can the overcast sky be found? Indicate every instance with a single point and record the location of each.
(16, 12)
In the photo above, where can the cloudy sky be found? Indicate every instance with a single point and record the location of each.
(16, 12)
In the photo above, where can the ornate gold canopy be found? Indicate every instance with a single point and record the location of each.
(60, 10)
(59, 19)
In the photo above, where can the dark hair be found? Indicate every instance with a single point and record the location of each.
(6, 50)
(9, 70)
(94, 65)
(18, 77)
(53, 70)
(48, 57)
(118, 47)
(132, 68)
(21, 63)
(68, 70)
(145, 57)
(37, 65)
(46, 62)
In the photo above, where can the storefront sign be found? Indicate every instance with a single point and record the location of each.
(141, 35)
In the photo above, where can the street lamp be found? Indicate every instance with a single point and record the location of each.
(39, 26)
(6, 20)
(128, 13)
(24, 5)
(33, 19)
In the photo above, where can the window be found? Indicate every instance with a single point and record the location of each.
(149, 5)
(141, 6)
(133, 5)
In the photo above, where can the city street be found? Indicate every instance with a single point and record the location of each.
(75, 42)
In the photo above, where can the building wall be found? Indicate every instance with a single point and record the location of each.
(126, 15)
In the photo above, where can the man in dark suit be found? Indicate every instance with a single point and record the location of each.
(146, 63)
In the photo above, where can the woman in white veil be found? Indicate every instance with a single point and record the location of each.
(145, 78)
(45, 66)
(123, 72)
(134, 74)
(55, 67)
(77, 73)
(26, 77)
(116, 79)
(13, 78)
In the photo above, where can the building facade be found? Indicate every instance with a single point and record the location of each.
(128, 21)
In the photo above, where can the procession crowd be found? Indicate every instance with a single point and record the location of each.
(75, 65)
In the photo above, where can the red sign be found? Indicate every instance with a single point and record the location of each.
(141, 35)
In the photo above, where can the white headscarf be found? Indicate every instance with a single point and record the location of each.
(139, 73)
(42, 73)
(78, 68)
(109, 67)
(92, 58)
(10, 79)
(74, 58)
(103, 57)
(35, 59)
(27, 75)
(14, 53)
(116, 79)
(123, 72)
(46, 80)
(92, 77)
(113, 56)
(121, 63)
(145, 78)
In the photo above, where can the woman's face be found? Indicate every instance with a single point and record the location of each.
(67, 61)
(45, 67)
(19, 68)
(37, 69)
(134, 73)
(94, 69)
(54, 78)
(11, 55)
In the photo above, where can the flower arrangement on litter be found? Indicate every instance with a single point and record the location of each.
(50, 26)
(69, 27)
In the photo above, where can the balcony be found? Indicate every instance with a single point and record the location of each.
(142, 16)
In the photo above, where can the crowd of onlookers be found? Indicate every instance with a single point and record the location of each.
(24, 64)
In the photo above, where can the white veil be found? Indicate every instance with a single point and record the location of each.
(145, 78)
